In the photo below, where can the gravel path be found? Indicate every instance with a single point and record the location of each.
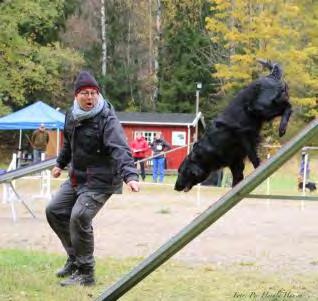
(273, 235)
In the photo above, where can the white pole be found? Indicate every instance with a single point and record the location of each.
(14, 216)
(20, 149)
(305, 173)
(199, 195)
(57, 141)
(197, 96)
(20, 140)
(189, 139)
(268, 181)
(196, 113)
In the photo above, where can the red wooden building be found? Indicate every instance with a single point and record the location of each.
(177, 129)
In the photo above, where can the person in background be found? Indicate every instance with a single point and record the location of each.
(39, 141)
(139, 146)
(159, 146)
(95, 146)
(302, 169)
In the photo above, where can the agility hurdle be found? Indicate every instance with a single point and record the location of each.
(209, 216)
(11, 175)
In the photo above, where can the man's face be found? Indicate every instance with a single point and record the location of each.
(87, 99)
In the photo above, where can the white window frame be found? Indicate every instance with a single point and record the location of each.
(149, 135)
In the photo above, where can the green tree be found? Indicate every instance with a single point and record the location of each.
(33, 65)
(186, 56)
(126, 82)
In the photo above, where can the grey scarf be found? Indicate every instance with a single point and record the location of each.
(80, 114)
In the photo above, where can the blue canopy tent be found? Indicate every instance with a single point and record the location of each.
(31, 117)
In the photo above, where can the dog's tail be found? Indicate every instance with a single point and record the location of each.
(275, 68)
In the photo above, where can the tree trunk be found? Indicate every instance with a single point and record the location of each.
(150, 60)
(129, 52)
(232, 24)
(158, 40)
(104, 42)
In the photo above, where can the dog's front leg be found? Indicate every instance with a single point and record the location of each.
(237, 169)
(284, 121)
(253, 157)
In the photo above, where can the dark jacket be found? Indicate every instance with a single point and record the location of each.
(97, 151)
(158, 146)
(40, 139)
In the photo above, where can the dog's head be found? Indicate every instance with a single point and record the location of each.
(189, 174)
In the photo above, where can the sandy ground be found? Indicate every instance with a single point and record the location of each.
(272, 234)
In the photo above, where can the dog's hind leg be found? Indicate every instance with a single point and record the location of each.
(237, 169)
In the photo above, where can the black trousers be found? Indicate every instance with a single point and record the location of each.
(142, 167)
(70, 216)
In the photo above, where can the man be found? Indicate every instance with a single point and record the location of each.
(158, 146)
(139, 147)
(99, 157)
(39, 142)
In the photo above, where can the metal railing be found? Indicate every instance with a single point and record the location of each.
(163, 153)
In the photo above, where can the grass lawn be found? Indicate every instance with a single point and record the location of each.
(30, 276)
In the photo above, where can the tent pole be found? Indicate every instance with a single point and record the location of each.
(57, 141)
(19, 155)
(20, 140)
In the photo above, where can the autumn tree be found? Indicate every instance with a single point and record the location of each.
(283, 31)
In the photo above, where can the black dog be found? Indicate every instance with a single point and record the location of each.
(235, 134)
(309, 185)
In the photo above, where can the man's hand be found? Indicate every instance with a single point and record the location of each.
(134, 186)
(56, 172)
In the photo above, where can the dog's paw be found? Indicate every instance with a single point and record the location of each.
(282, 132)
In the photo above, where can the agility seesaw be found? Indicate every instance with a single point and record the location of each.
(209, 216)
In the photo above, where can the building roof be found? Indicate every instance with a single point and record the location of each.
(147, 118)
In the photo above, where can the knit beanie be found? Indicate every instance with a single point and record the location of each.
(85, 80)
